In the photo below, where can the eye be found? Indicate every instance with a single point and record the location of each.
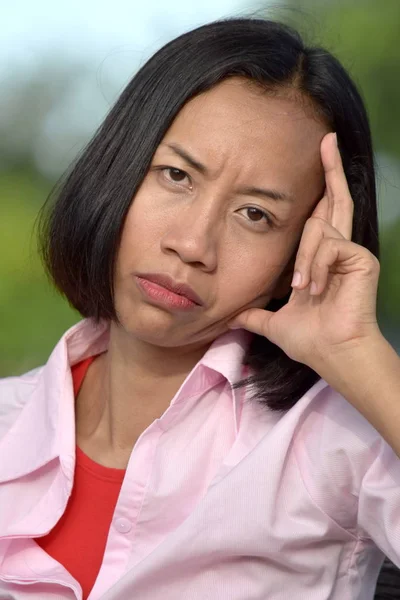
(258, 216)
(176, 176)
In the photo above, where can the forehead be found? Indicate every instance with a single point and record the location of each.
(238, 126)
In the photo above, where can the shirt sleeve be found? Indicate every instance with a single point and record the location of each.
(350, 471)
(379, 502)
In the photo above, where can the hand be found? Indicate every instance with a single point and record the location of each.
(333, 301)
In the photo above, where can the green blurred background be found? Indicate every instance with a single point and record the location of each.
(57, 88)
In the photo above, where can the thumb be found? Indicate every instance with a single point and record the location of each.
(256, 320)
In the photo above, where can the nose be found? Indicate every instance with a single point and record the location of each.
(193, 235)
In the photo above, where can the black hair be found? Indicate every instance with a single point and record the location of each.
(79, 235)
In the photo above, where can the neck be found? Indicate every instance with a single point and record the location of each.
(125, 389)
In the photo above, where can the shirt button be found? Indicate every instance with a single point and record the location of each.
(122, 525)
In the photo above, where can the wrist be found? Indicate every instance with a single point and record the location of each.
(355, 364)
(367, 374)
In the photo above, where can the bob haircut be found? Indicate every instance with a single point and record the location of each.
(79, 235)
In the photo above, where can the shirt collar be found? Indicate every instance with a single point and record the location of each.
(47, 421)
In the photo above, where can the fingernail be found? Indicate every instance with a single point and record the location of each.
(313, 288)
(335, 137)
(296, 279)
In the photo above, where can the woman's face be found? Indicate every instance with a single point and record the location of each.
(201, 218)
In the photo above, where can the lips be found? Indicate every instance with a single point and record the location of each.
(174, 286)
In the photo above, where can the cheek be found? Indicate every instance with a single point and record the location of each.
(251, 274)
(142, 226)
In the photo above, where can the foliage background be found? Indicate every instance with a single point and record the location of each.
(49, 110)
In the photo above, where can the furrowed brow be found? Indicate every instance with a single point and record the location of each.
(267, 193)
(190, 160)
(248, 191)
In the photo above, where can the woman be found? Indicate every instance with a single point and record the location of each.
(223, 422)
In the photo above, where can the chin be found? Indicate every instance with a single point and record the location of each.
(150, 324)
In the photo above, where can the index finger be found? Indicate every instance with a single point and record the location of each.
(337, 189)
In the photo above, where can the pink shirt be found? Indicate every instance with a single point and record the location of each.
(222, 498)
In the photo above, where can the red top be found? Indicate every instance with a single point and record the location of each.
(79, 538)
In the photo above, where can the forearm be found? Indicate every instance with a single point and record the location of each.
(368, 376)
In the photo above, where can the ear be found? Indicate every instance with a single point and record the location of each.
(283, 285)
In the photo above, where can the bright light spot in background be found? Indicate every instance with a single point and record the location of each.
(112, 39)
(85, 26)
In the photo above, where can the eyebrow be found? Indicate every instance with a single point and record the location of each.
(248, 191)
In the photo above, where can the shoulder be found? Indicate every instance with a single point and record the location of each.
(15, 393)
(331, 423)
(45, 384)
